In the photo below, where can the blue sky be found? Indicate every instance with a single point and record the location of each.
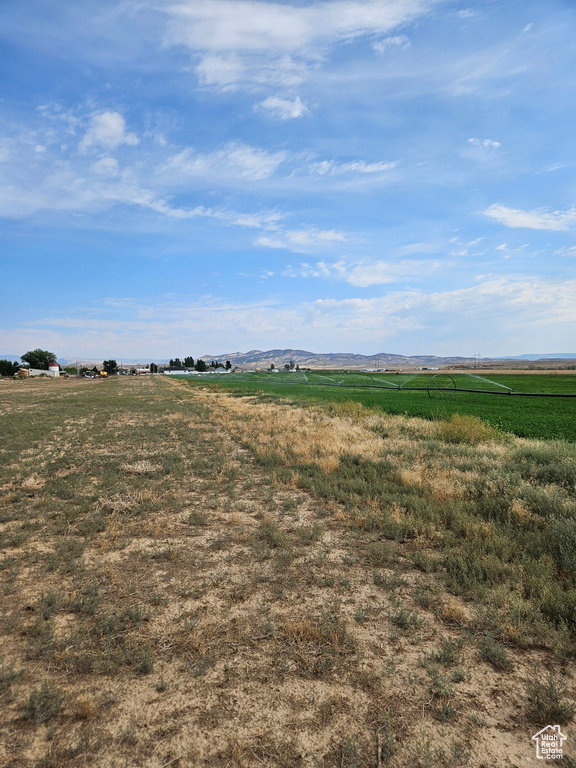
(210, 176)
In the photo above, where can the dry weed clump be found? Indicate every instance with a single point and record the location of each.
(293, 436)
(452, 610)
(302, 436)
(462, 428)
(143, 467)
(317, 644)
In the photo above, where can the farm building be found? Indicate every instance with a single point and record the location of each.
(53, 371)
(173, 370)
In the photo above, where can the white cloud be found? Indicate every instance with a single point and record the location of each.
(233, 161)
(301, 240)
(107, 129)
(250, 41)
(569, 250)
(106, 166)
(331, 168)
(364, 274)
(283, 109)
(60, 180)
(484, 143)
(538, 219)
(226, 71)
(531, 310)
(396, 41)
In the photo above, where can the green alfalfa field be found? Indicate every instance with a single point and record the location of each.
(547, 418)
(194, 575)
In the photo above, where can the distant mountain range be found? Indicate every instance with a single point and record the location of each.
(257, 358)
(305, 359)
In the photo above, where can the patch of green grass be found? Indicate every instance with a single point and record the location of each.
(198, 517)
(49, 603)
(9, 676)
(382, 554)
(495, 654)
(273, 536)
(448, 654)
(405, 619)
(43, 703)
(309, 534)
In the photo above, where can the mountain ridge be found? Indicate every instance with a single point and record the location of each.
(305, 358)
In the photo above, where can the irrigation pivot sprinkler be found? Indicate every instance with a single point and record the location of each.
(442, 386)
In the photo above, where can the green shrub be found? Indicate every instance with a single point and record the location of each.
(495, 654)
(546, 502)
(562, 542)
(273, 536)
(43, 703)
(449, 654)
(548, 702)
(382, 553)
(548, 463)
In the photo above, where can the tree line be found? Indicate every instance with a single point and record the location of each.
(199, 365)
(36, 358)
(42, 358)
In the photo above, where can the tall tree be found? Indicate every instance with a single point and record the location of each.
(39, 358)
(228, 365)
(8, 368)
(153, 368)
(200, 366)
(189, 362)
(110, 366)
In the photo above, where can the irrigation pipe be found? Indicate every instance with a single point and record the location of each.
(509, 393)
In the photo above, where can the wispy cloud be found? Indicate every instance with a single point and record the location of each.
(537, 219)
(250, 41)
(365, 274)
(395, 41)
(301, 240)
(104, 175)
(332, 168)
(569, 250)
(282, 108)
(485, 143)
(232, 161)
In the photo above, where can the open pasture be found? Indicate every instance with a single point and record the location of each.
(193, 578)
(407, 393)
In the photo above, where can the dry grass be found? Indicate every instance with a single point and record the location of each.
(175, 592)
